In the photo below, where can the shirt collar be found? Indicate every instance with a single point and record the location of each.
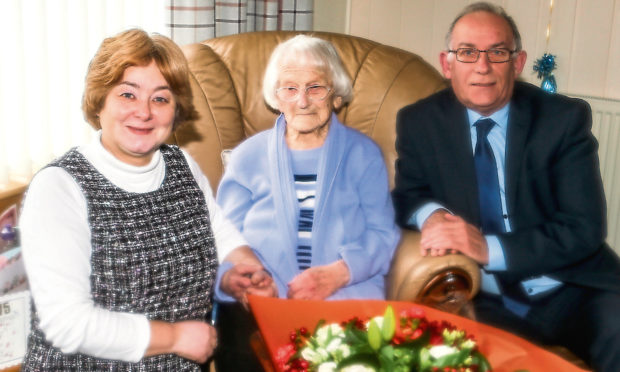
(500, 117)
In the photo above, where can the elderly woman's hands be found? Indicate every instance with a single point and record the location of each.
(247, 276)
(243, 279)
(318, 283)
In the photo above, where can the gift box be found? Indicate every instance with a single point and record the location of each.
(276, 318)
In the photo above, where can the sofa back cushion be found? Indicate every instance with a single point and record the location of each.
(227, 74)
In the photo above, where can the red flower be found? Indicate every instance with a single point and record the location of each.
(355, 321)
(283, 356)
(436, 339)
(413, 312)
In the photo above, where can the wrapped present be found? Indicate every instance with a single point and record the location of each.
(276, 318)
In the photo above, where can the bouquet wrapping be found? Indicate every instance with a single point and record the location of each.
(277, 318)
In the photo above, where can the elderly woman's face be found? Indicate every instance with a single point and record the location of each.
(137, 115)
(306, 114)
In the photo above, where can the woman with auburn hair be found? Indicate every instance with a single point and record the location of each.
(119, 236)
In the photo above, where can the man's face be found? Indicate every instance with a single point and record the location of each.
(482, 86)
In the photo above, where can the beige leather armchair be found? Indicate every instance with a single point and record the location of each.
(226, 79)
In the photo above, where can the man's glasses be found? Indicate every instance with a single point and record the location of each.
(313, 92)
(494, 55)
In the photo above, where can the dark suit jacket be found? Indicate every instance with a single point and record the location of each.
(554, 192)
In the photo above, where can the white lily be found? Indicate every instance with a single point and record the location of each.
(327, 367)
(442, 350)
(311, 355)
(322, 334)
(377, 319)
(357, 368)
(334, 345)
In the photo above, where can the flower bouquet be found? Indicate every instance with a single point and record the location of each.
(277, 318)
(382, 343)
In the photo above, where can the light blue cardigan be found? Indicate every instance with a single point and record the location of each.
(353, 219)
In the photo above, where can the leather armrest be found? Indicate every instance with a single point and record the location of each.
(446, 282)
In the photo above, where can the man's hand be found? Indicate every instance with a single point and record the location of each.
(444, 233)
(318, 283)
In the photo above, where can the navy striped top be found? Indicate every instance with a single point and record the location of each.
(305, 163)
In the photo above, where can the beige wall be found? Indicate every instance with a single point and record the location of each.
(331, 15)
(585, 34)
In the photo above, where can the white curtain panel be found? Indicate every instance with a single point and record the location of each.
(191, 21)
(47, 46)
(49, 43)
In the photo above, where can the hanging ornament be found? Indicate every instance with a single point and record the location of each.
(545, 66)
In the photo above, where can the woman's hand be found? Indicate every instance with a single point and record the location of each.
(194, 340)
(191, 339)
(243, 279)
(237, 280)
(318, 283)
(262, 284)
(247, 276)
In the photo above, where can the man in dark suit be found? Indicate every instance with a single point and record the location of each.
(508, 175)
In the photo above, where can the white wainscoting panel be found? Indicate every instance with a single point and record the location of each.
(584, 35)
(606, 128)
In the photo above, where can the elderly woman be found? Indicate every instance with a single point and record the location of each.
(119, 236)
(311, 195)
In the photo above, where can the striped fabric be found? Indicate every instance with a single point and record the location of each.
(192, 21)
(305, 187)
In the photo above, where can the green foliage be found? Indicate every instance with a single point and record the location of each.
(409, 343)
(389, 324)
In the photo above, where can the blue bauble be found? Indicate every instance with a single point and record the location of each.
(549, 84)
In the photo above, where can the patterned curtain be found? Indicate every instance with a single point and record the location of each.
(192, 21)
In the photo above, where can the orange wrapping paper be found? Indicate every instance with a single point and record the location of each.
(276, 318)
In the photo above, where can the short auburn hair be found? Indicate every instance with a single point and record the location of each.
(137, 48)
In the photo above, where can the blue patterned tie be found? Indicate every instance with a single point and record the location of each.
(491, 214)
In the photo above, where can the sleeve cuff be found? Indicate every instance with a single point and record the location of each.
(220, 296)
(360, 266)
(144, 329)
(420, 216)
(497, 261)
(354, 276)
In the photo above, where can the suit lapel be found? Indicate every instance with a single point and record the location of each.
(455, 133)
(519, 121)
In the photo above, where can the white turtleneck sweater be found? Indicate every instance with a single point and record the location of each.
(55, 240)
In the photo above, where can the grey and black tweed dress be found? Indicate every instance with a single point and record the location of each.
(152, 253)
